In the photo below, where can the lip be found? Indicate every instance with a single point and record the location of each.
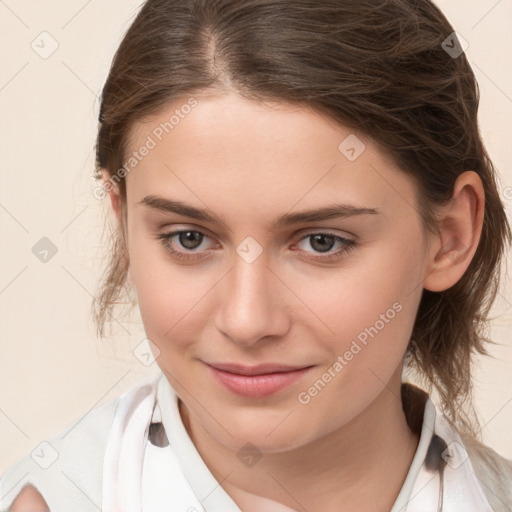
(256, 381)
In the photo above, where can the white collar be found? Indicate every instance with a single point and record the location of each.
(139, 476)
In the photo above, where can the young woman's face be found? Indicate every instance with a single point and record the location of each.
(299, 246)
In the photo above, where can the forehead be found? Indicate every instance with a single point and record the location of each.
(233, 151)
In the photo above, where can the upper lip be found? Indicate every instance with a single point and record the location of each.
(260, 369)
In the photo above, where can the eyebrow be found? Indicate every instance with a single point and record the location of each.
(333, 211)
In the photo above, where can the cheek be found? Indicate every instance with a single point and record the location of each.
(370, 310)
(375, 284)
(166, 300)
(372, 330)
(169, 296)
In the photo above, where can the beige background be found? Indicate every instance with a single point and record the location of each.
(53, 368)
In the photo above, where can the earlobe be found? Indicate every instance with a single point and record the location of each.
(460, 227)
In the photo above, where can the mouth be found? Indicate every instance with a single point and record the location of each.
(256, 381)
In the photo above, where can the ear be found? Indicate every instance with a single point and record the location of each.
(115, 201)
(117, 208)
(460, 227)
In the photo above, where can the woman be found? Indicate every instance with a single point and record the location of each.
(305, 211)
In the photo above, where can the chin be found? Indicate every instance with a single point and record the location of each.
(266, 431)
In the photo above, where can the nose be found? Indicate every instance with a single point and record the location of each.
(252, 303)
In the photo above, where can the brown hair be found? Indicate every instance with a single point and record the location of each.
(383, 67)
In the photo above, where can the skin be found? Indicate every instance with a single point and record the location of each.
(29, 500)
(250, 163)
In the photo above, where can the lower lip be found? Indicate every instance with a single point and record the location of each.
(257, 386)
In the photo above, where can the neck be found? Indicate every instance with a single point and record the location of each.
(376, 447)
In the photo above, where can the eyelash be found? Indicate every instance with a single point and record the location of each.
(165, 238)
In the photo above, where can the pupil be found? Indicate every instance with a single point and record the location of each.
(189, 238)
(318, 242)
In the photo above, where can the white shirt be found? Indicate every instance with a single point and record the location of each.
(105, 461)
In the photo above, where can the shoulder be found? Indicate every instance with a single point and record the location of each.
(64, 469)
(492, 470)
(29, 500)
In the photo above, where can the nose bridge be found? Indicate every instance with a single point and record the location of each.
(249, 304)
(250, 281)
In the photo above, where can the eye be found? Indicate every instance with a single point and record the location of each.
(323, 243)
(189, 243)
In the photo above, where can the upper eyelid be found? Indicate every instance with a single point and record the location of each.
(168, 228)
